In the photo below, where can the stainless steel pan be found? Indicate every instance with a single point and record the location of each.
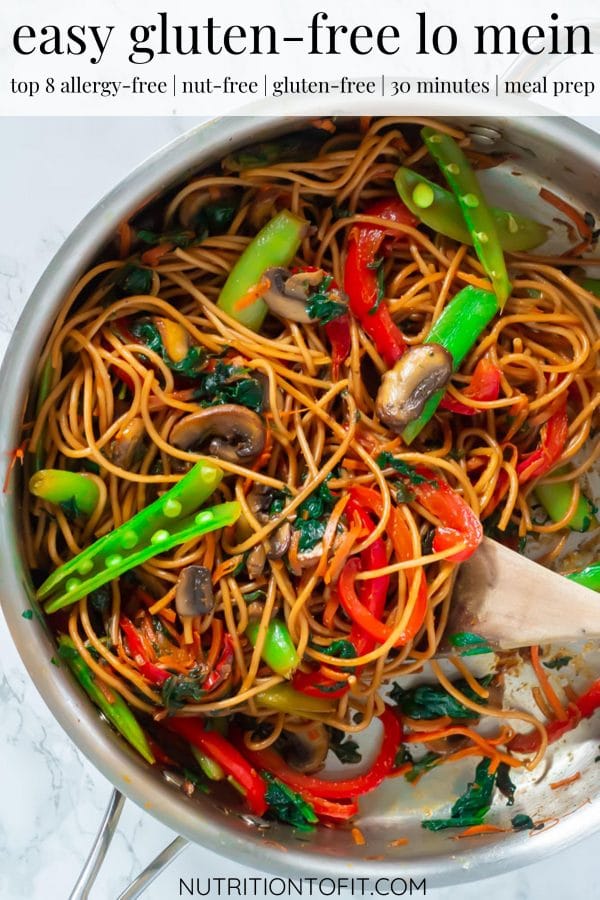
(552, 151)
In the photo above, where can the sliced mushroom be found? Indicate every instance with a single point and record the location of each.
(306, 748)
(259, 500)
(255, 561)
(230, 432)
(194, 593)
(127, 443)
(279, 543)
(406, 388)
(287, 293)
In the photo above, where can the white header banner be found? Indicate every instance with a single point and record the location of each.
(78, 57)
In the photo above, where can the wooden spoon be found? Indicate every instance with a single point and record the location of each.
(514, 602)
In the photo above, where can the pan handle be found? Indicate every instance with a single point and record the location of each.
(99, 849)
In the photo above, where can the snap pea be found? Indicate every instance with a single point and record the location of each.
(145, 535)
(588, 577)
(455, 167)
(456, 331)
(275, 245)
(556, 499)
(61, 487)
(439, 209)
(115, 709)
(278, 650)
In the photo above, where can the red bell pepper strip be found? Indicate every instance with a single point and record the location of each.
(400, 536)
(459, 522)
(338, 333)
(270, 760)
(153, 673)
(316, 684)
(340, 811)
(222, 669)
(547, 454)
(484, 386)
(360, 278)
(582, 708)
(373, 593)
(226, 755)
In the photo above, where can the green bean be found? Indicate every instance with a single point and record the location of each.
(275, 245)
(278, 649)
(114, 707)
(456, 330)
(77, 492)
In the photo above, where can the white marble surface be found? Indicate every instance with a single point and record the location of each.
(51, 798)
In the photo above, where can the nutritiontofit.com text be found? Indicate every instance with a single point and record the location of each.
(265, 887)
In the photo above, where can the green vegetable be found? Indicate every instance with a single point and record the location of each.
(343, 747)
(148, 533)
(44, 389)
(77, 494)
(556, 499)
(310, 512)
(148, 334)
(215, 217)
(592, 285)
(439, 209)
(229, 384)
(133, 280)
(428, 701)
(178, 690)
(559, 662)
(588, 577)
(504, 783)
(284, 698)
(457, 330)
(469, 644)
(473, 806)
(179, 238)
(278, 650)
(463, 182)
(27, 614)
(298, 147)
(341, 649)
(387, 460)
(421, 766)
(288, 806)
(278, 498)
(521, 822)
(321, 306)
(211, 769)
(275, 245)
(115, 709)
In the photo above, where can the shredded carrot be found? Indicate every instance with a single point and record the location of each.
(209, 551)
(125, 234)
(487, 746)
(573, 214)
(324, 125)
(549, 693)
(399, 842)
(169, 614)
(188, 637)
(226, 568)
(555, 785)
(15, 455)
(153, 256)
(252, 294)
(481, 283)
(342, 553)
(478, 829)
(358, 837)
(331, 608)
